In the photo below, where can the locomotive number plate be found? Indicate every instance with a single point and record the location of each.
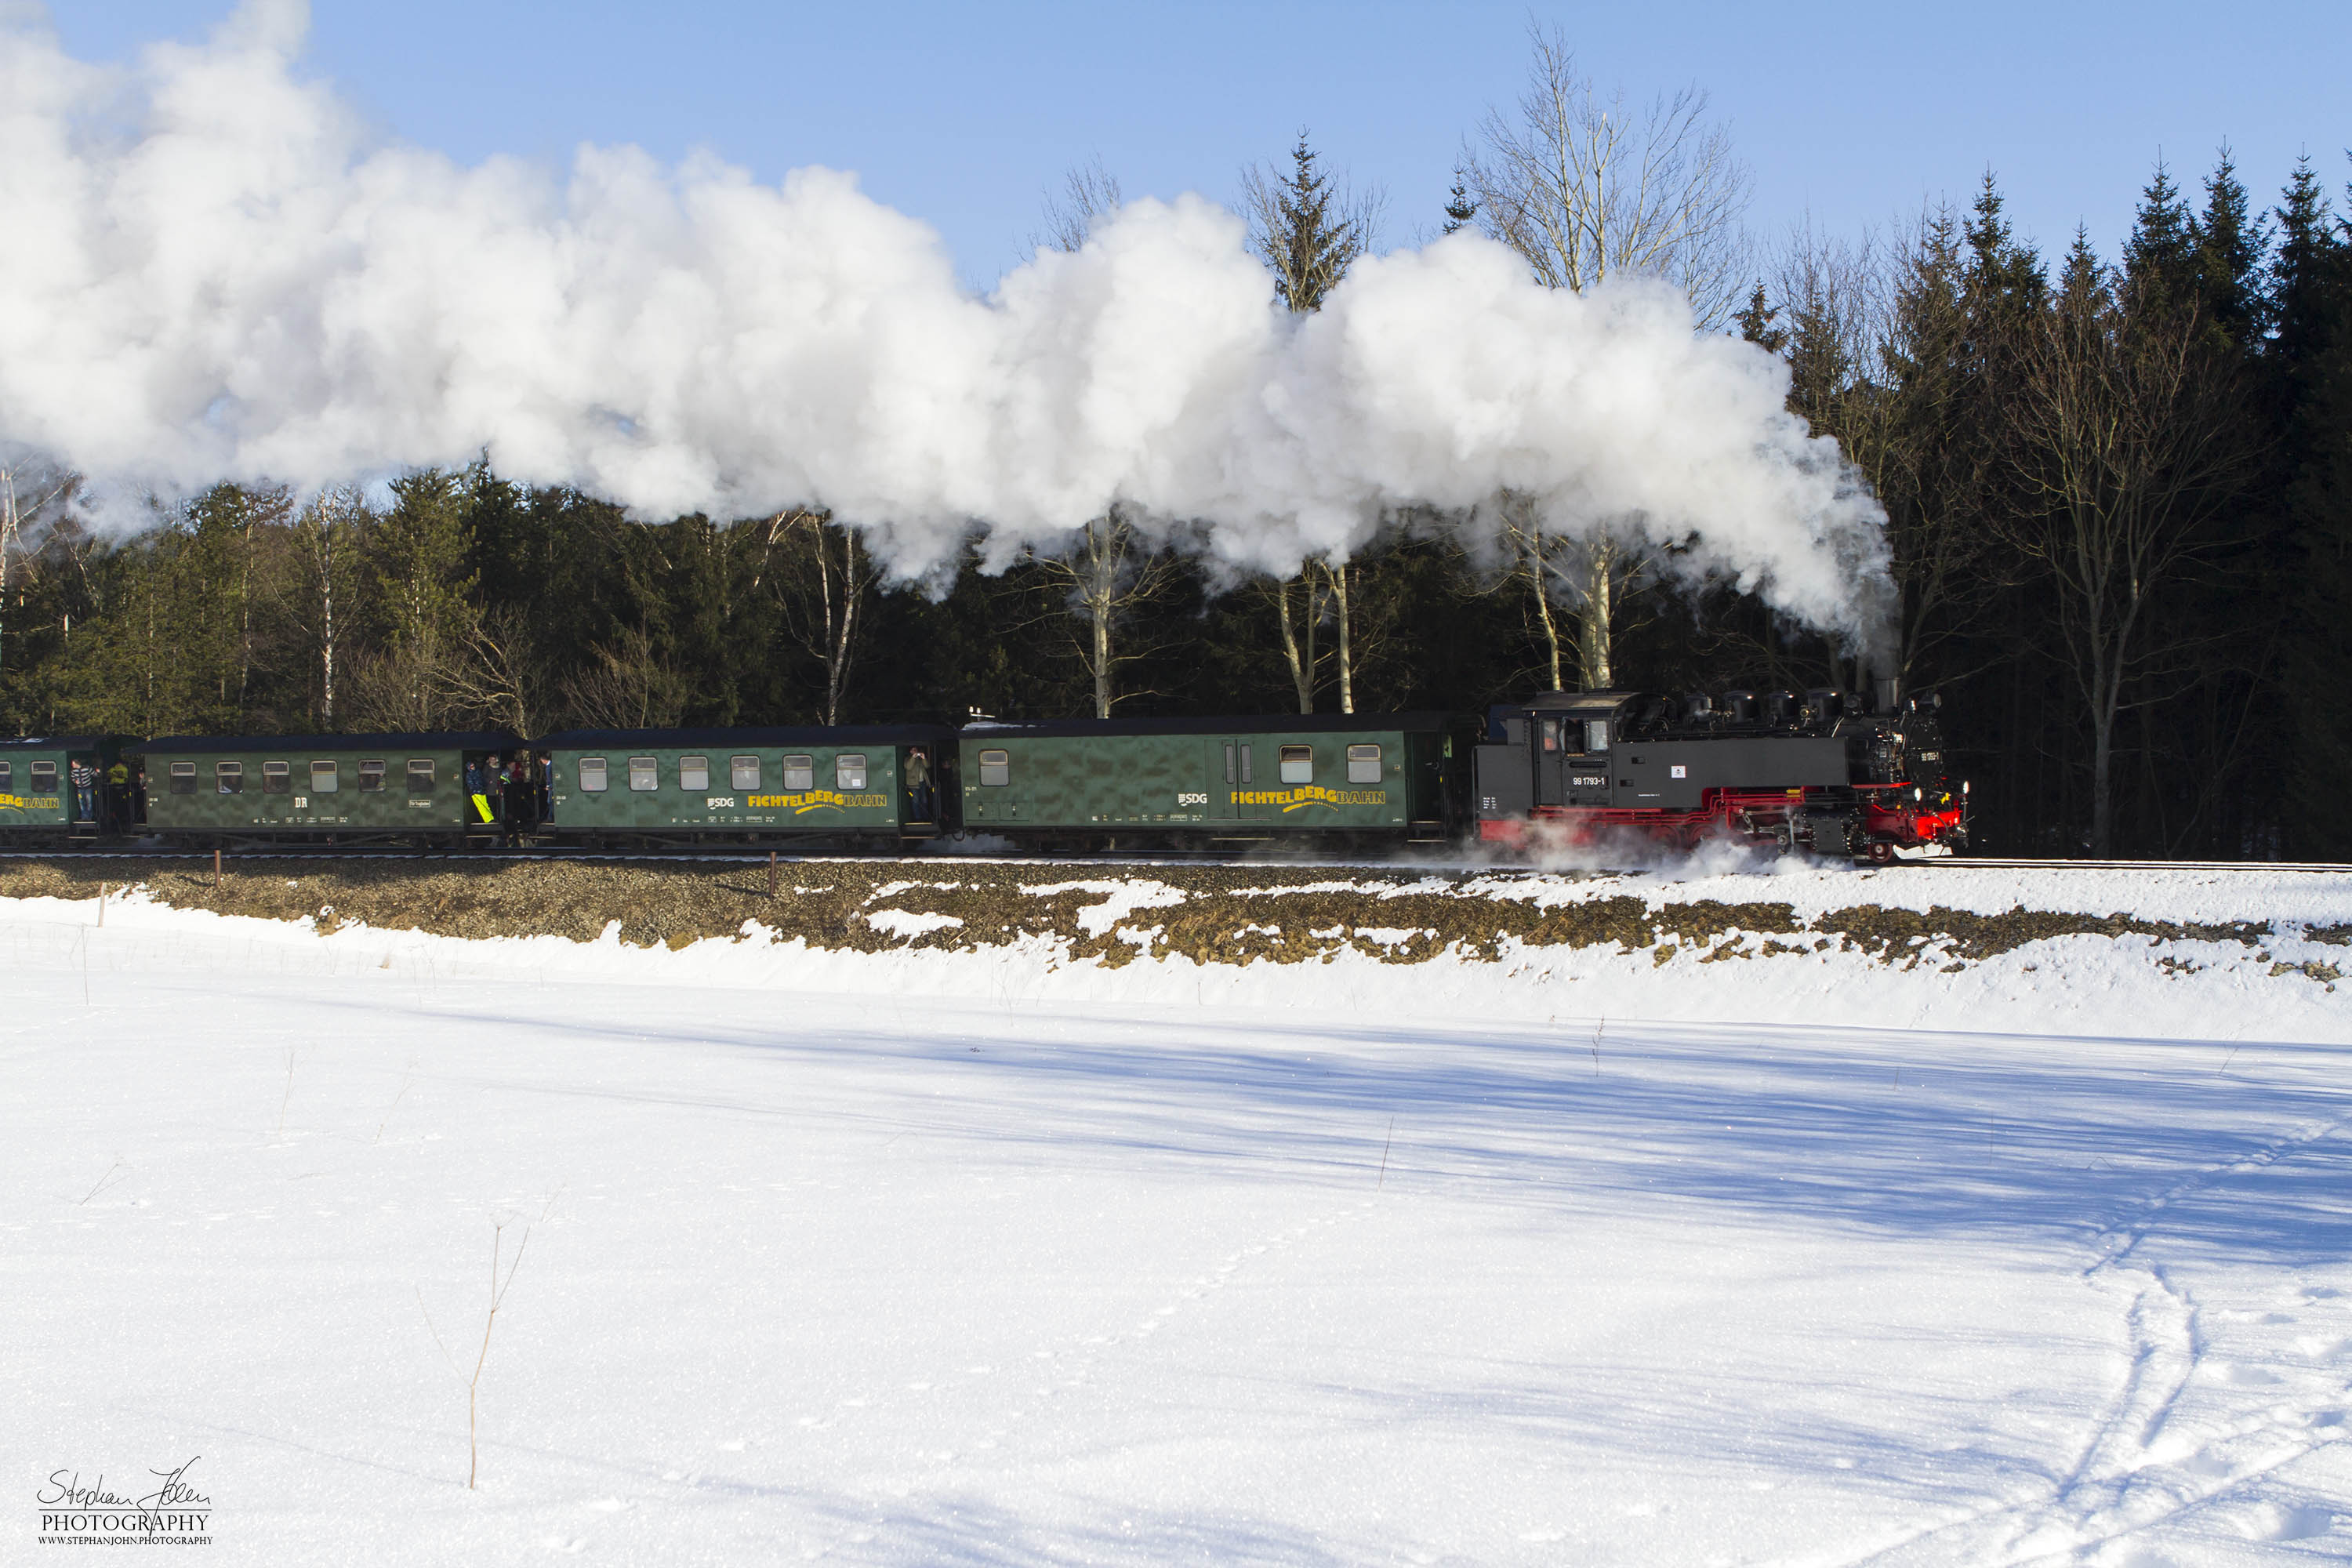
(1590, 781)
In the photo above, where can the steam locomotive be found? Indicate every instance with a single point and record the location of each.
(1825, 771)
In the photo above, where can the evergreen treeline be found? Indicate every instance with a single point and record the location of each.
(2120, 495)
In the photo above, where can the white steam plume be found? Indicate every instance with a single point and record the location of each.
(216, 272)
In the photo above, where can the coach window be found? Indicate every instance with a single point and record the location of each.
(277, 778)
(743, 773)
(184, 778)
(1363, 764)
(849, 771)
(44, 777)
(420, 775)
(8, 776)
(372, 776)
(800, 772)
(694, 774)
(1596, 734)
(592, 775)
(229, 777)
(643, 774)
(995, 767)
(324, 779)
(1298, 765)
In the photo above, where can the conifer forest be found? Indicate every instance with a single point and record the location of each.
(2118, 492)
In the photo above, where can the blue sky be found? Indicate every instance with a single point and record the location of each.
(962, 115)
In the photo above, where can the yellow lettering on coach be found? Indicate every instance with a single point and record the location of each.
(816, 800)
(1310, 794)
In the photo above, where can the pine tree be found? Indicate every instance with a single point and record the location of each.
(1307, 243)
(2161, 258)
(1462, 210)
(2233, 246)
(2005, 281)
(2304, 272)
(1755, 323)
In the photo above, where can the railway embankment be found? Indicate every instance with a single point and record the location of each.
(1114, 913)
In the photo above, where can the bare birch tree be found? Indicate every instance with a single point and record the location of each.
(1587, 188)
(1583, 575)
(826, 586)
(25, 493)
(328, 535)
(1089, 193)
(1338, 583)
(1298, 626)
(1110, 569)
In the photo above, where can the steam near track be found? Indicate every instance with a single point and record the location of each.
(237, 281)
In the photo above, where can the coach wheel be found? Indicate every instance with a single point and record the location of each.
(1881, 853)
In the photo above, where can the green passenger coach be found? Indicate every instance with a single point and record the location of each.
(350, 789)
(847, 783)
(1132, 780)
(54, 786)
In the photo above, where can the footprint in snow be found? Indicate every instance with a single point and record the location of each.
(557, 1543)
(2277, 1522)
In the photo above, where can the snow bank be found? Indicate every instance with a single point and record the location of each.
(2147, 953)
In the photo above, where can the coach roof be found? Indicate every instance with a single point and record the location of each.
(1260, 724)
(429, 740)
(770, 738)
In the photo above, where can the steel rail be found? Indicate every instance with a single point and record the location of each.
(1272, 861)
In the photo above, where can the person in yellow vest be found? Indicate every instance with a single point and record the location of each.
(477, 792)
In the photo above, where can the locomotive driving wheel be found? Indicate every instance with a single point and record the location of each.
(1881, 853)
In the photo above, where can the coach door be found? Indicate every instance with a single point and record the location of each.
(1547, 737)
(1239, 761)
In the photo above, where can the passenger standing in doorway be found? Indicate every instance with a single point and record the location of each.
(494, 785)
(118, 795)
(522, 810)
(83, 772)
(918, 786)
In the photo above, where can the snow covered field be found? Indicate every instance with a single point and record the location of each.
(1355, 1262)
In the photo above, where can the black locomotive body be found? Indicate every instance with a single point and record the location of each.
(1823, 771)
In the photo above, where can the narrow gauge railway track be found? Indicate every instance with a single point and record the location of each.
(750, 856)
